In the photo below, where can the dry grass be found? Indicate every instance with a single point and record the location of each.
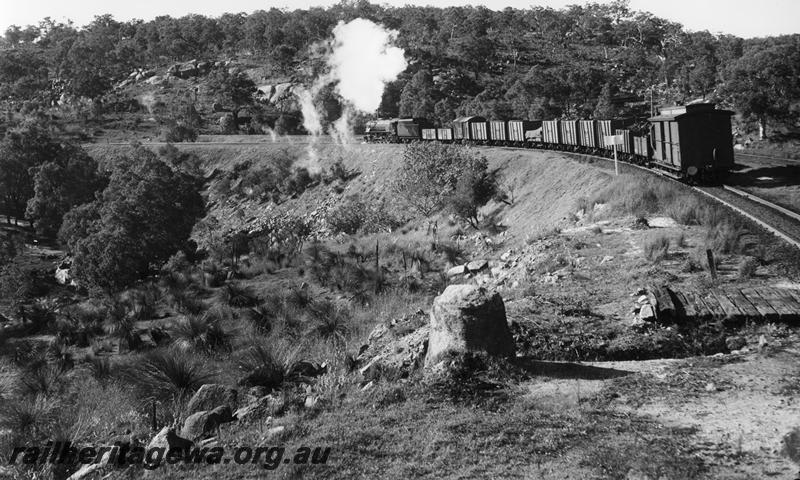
(656, 247)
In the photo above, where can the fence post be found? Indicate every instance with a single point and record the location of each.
(712, 266)
(377, 267)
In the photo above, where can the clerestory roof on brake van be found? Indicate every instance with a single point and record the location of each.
(678, 112)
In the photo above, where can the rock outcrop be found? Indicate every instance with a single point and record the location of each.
(211, 396)
(201, 424)
(468, 319)
(395, 349)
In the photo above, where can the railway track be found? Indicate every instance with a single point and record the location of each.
(774, 218)
(767, 159)
(778, 220)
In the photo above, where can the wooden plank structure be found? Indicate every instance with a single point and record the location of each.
(737, 304)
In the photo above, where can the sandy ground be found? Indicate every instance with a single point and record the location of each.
(742, 414)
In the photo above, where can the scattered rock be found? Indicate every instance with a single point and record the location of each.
(305, 369)
(203, 423)
(506, 256)
(266, 406)
(91, 468)
(647, 313)
(455, 271)
(791, 445)
(467, 318)
(661, 222)
(168, 439)
(735, 342)
(311, 401)
(477, 265)
(211, 396)
(274, 432)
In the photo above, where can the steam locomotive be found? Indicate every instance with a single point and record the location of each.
(689, 142)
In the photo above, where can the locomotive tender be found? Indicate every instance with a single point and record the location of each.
(692, 142)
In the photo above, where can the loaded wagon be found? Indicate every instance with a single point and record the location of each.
(444, 134)
(517, 130)
(626, 146)
(570, 133)
(551, 133)
(498, 131)
(462, 128)
(587, 135)
(606, 128)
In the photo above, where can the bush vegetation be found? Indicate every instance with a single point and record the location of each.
(434, 176)
(144, 216)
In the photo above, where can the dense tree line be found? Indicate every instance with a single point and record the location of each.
(537, 62)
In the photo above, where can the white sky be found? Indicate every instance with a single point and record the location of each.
(746, 18)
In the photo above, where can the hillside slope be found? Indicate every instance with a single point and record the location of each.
(543, 186)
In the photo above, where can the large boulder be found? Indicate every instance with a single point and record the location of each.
(468, 319)
(266, 406)
(211, 396)
(168, 439)
(202, 424)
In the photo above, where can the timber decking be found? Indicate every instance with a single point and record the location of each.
(762, 303)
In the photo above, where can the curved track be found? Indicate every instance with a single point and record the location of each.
(768, 159)
(776, 219)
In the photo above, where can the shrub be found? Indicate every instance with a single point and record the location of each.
(203, 334)
(42, 379)
(656, 247)
(187, 302)
(30, 421)
(725, 237)
(354, 214)
(140, 303)
(178, 131)
(686, 210)
(168, 375)
(330, 321)
(238, 296)
(434, 175)
(41, 315)
(264, 366)
(101, 368)
(747, 268)
(21, 281)
(473, 189)
(262, 317)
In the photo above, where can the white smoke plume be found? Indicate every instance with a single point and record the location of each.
(361, 60)
(311, 116)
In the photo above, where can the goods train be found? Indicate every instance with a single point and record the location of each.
(690, 142)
